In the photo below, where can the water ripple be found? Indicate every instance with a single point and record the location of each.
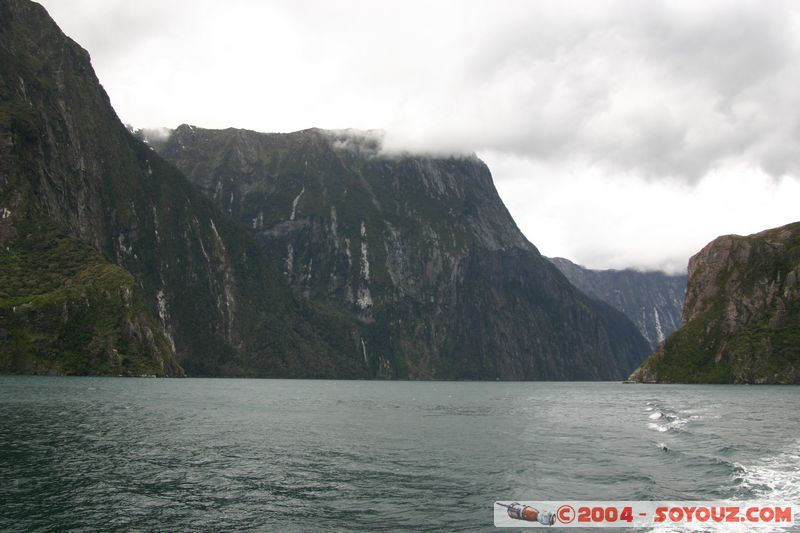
(90, 454)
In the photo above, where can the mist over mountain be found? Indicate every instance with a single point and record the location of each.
(652, 300)
(111, 262)
(310, 254)
(413, 351)
(418, 250)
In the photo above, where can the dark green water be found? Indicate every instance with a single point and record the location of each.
(217, 454)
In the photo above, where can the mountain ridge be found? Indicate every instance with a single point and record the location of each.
(741, 314)
(69, 162)
(311, 257)
(396, 242)
(651, 299)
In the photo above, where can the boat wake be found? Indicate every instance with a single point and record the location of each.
(769, 480)
(664, 419)
(776, 478)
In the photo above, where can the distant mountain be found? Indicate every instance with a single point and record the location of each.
(110, 261)
(652, 300)
(418, 251)
(303, 255)
(742, 314)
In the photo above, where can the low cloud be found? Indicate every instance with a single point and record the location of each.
(366, 143)
(623, 221)
(154, 135)
(611, 104)
(657, 89)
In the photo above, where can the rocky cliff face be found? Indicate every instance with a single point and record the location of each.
(652, 300)
(418, 252)
(741, 313)
(306, 255)
(110, 261)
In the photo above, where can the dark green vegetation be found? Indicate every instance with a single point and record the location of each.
(742, 313)
(128, 223)
(652, 300)
(419, 252)
(64, 309)
(302, 255)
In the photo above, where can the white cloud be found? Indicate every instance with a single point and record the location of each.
(618, 221)
(608, 105)
(155, 134)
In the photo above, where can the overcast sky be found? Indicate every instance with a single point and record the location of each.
(619, 134)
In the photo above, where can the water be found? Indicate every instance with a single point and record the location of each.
(217, 454)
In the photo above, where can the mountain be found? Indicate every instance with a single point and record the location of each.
(299, 255)
(741, 314)
(652, 300)
(419, 251)
(110, 261)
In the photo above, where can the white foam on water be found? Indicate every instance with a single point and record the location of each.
(776, 477)
(771, 479)
(666, 421)
(710, 526)
(677, 422)
(658, 427)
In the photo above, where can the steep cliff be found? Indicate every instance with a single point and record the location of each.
(340, 261)
(741, 313)
(420, 252)
(110, 261)
(652, 300)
